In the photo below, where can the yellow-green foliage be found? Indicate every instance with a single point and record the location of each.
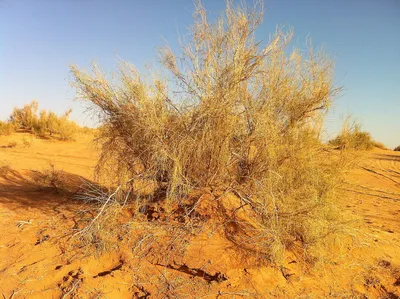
(231, 114)
(6, 128)
(54, 125)
(352, 137)
(47, 123)
(26, 117)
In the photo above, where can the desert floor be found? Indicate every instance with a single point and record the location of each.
(37, 259)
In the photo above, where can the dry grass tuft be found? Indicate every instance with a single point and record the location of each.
(27, 142)
(26, 117)
(49, 179)
(230, 115)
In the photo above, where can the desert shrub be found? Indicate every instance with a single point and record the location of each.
(397, 148)
(46, 123)
(54, 125)
(6, 128)
(67, 129)
(229, 115)
(41, 128)
(49, 178)
(352, 137)
(26, 117)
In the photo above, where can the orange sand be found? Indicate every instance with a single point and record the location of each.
(35, 261)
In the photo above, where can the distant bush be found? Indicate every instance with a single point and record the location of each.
(54, 125)
(234, 117)
(397, 148)
(67, 129)
(25, 118)
(352, 137)
(6, 128)
(379, 145)
(44, 124)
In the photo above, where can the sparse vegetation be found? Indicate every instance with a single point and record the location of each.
(25, 118)
(53, 125)
(49, 178)
(44, 123)
(6, 128)
(397, 148)
(352, 137)
(230, 117)
(27, 142)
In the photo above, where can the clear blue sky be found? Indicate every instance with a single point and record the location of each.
(40, 38)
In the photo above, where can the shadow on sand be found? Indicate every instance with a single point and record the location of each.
(40, 190)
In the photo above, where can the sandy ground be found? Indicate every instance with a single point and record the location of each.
(37, 214)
